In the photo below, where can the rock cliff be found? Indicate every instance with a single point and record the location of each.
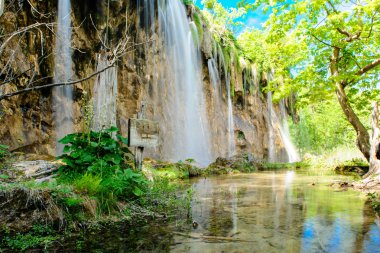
(27, 123)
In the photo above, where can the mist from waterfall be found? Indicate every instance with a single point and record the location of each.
(184, 119)
(105, 95)
(281, 125)
(63, 95)
(293, 155)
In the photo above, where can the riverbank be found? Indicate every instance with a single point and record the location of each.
(45, 212)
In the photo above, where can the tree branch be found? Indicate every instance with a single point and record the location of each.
(323, 42)
(53, 84)
(370, 66)
(332, 6)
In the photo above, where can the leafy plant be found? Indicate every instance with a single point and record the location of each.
(93, 152)
(96, 165)
(126, 183)
(39, 236)
(3, 151)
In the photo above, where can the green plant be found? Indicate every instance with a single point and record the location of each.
(4, 152)
(125, 184)
(374, 201)
(93, 152)
(88, 183)
(39, 236)
(96, 165)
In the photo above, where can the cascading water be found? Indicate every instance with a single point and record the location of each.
(105, 96)
(230, 117)
(271, 136)
(1, 7)
(285, 135)
(282, 125)
(231, 130)
(63, 96)
(213, 73)
(184, 112)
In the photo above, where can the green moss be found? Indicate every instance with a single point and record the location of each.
(279, 166)
(198, 20)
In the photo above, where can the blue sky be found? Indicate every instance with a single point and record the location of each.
(251, 19)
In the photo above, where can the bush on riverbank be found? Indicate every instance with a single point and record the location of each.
(95, 183)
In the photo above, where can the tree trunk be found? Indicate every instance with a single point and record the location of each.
(374, 163)
(362, 139)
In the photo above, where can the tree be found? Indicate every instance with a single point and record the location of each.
(343, 50)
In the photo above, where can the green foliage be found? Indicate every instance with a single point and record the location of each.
(125, 184)
(40, 236)
(88, 184)
(187, 2)
(3, 152)
(375, 201)
(321, 128)
(318, 47)
(197, 18)
(73, 201)
(96, 165)
(222, 21)
(93, 152)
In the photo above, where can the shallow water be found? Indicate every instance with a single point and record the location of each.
(277, 212)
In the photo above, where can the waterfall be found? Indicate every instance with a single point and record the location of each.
(231, 130)
(285, 135)
(271, 129)
(1, 7)
(105, 96)
(183, 120)
(230, 116)
(213, 73)
(63, 96)
(280, 124)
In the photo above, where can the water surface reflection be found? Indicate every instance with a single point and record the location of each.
(278, 212)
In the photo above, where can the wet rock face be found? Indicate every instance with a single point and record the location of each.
(26, 120)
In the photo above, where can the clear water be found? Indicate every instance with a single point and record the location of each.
(278, 212)
(63, 95)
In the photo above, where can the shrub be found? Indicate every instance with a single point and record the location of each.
(94, 152)
(97, 165)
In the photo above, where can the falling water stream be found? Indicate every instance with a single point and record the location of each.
(105, 95)
(184, 111)
(63, 95)
(1, 7)
(285, 135)
(281, 125)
